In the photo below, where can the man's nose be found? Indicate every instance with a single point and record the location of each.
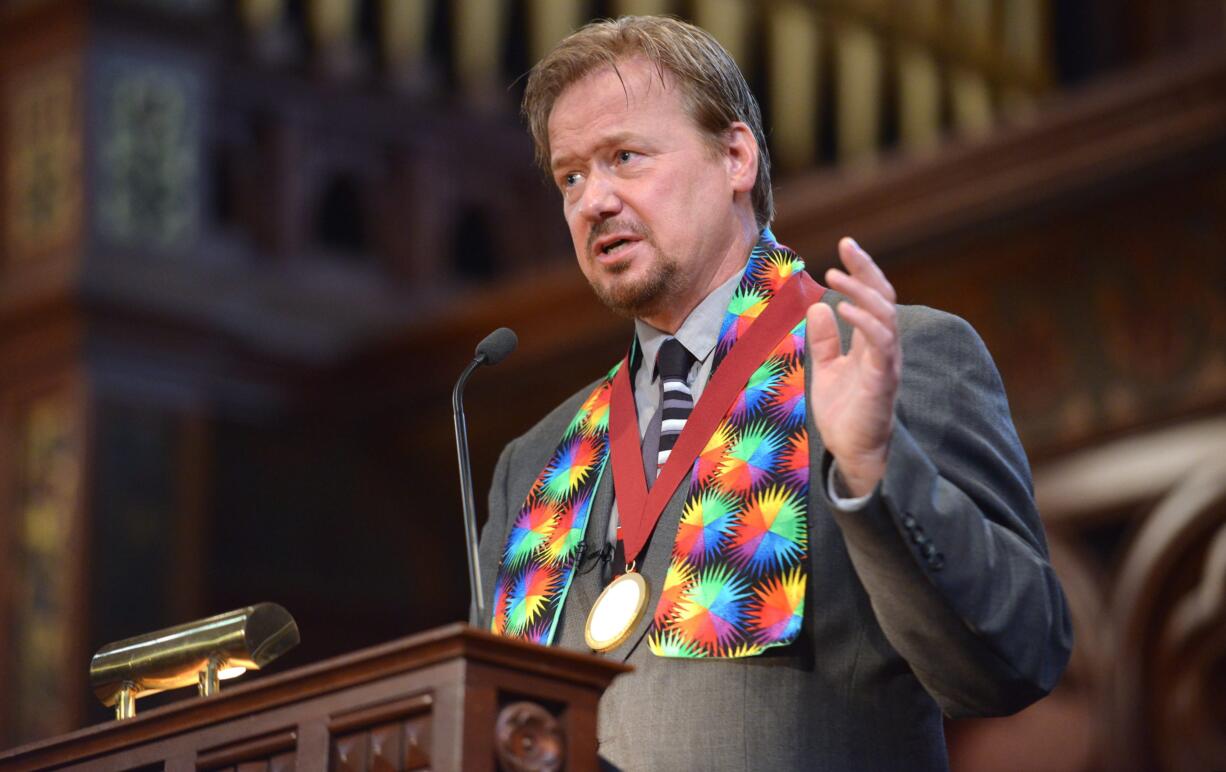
(600, 198)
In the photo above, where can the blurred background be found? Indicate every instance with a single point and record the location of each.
(246, 246)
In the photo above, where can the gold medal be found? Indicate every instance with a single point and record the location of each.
(616, 612)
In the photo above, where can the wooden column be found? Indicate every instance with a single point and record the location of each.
(75, 211)
(43, 388)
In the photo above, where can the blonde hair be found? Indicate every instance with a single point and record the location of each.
(715, 92)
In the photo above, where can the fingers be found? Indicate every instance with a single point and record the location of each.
(861, 266)
(879, 335)
(866, 286)
(823, 334)
(871, 309)
(863, 295)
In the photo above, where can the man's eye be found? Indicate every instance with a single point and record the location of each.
(624, 155)
(570, 180)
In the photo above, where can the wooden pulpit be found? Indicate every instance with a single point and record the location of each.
(454, 698)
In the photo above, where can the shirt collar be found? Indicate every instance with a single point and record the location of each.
(699, 332)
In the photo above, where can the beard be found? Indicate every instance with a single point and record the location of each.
(641, 297)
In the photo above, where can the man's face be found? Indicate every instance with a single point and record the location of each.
(647, 198)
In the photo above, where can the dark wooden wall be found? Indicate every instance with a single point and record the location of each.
(1089, 250)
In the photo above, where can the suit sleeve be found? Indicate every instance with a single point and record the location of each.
(949, 548)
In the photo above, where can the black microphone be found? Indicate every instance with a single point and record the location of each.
(493, 349)
(497, 346)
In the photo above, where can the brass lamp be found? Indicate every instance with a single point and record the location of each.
(198, 653)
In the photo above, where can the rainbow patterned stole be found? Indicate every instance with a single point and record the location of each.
(736, 581)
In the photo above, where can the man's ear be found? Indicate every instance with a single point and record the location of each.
(741, 154)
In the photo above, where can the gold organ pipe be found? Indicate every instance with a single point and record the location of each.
(549, 22)
(794, 77)
(729, 22)
(859, 63)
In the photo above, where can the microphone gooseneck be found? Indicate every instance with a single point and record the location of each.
(494, 348)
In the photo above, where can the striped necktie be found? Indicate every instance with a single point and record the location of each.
(673, 363)
(676, 401)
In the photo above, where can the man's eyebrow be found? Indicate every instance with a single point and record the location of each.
(620, 138)
(566, 159)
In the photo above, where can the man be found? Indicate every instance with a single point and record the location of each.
(822, 492)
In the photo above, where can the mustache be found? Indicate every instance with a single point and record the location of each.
(605, 227)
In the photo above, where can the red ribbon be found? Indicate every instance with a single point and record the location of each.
(640, 510)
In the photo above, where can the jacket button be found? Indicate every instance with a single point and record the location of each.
(936, 562)
(909, 523)
(930, 551)
(919, 538)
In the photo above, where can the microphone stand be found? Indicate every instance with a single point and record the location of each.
(466, 489)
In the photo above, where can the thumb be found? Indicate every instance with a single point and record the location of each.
(822, 334)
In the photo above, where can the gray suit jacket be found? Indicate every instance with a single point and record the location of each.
(938, 596)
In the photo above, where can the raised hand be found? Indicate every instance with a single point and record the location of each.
(852, 395)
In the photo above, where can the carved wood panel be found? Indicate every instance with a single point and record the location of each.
(1145, 578)
(42, 439)
(270, 753)
(42, 158)
(393, 737)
